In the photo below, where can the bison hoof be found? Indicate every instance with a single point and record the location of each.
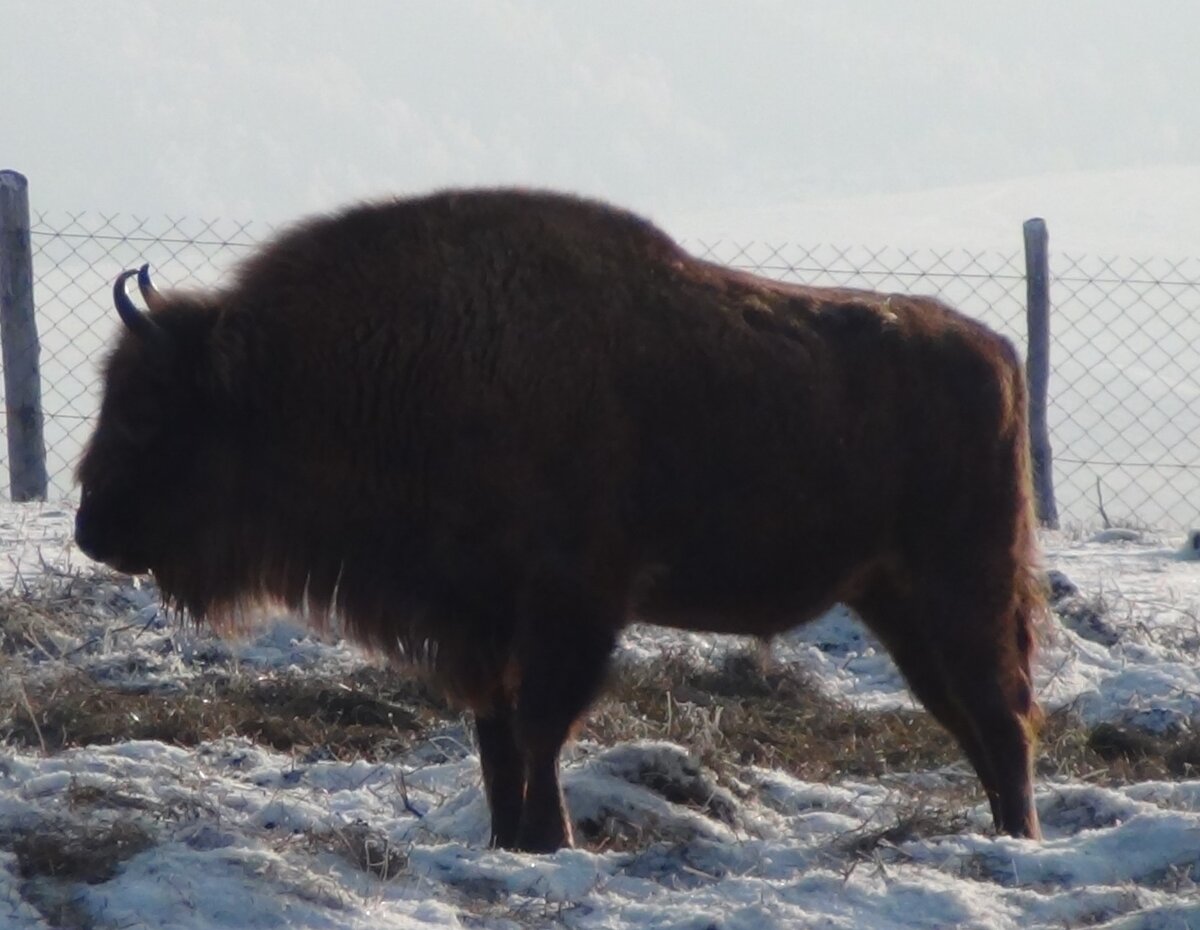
(543, 841)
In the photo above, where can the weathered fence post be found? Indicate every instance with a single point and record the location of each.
(19, 344)
(1037, 365)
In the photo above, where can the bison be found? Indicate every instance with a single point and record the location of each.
(486, 430)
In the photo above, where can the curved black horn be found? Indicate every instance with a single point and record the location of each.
(150, 293)
(139, 322)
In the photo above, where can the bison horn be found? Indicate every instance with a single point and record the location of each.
(137, 321)
(150, 293)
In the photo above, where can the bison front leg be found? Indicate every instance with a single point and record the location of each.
(503, 771)
(563, 652)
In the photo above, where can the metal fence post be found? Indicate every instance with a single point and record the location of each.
(19, 344)
(1037, 365)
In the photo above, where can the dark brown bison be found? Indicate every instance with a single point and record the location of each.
(486, 430)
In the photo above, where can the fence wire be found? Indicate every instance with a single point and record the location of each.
(1124, 393)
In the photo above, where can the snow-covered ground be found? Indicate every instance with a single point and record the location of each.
(232, 834)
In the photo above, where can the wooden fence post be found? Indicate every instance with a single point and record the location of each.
(19, 344)
(1037, 365)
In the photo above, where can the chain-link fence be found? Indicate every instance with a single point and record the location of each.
(76, 256)
(1124, 390)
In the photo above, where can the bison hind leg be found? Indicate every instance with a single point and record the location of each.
(1002, 718)
(967, 668)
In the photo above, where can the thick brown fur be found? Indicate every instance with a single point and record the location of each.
(486, 430)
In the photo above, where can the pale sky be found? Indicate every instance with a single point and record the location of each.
(269, 109)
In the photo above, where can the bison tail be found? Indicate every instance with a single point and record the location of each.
(1030, 602)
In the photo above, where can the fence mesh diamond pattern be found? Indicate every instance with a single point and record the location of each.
(76, 257)
(1125, 397)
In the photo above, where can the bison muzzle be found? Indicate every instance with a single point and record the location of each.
(485, 430)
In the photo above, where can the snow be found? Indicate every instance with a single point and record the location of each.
(239, 835)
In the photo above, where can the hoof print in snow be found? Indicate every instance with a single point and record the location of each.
(1117, 534)
(1086, 622)
(1074, 808)
(917, 825)
(1060, 586)
(688, 867)
(1083, 616)
(636, 795)
(674, 775)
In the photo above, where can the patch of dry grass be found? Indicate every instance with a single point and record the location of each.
(743, 713)
(51, 857)
(1116, 753)
(739, 712)
(370, 714)
(77, 852)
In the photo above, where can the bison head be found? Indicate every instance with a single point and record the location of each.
(158, 461)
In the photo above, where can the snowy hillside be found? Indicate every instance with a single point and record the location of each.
(135, 815)
(1136, 213)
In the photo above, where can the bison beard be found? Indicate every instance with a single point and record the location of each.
(488, 429)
